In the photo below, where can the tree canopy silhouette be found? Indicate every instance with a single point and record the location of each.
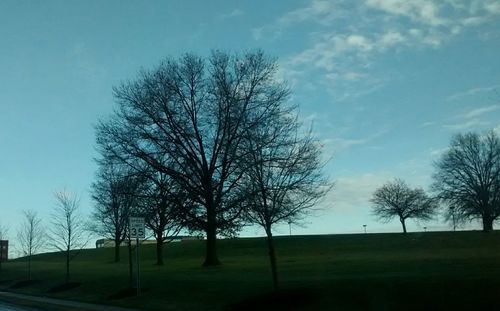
(468, 177)
(188, 118)
(397, 199)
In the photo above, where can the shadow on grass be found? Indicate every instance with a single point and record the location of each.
(64, 287)
(26, 283)
(289, 299)
(126, 293)
(4, 282)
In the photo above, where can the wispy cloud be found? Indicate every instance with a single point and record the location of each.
(346, 51)
(422, 11)
(230, 14)
(339, 144)
(318, 11)
(462, 126)
(473, 91)
(354, 192)
(471, 118)
(477, 112)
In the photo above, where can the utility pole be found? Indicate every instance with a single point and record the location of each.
(290, 227)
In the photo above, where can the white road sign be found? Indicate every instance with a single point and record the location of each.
(137, 228)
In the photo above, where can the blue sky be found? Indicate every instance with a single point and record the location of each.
(384, 82)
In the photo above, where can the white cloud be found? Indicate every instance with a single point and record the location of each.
(339, 144)
(471, 119)
(497, 129)
(422, 11)
(428, 123)
(473, 91)
(473, 123)
(477, 112)
(354, 192)
(317, 11)
(233, 13)
(349, 36)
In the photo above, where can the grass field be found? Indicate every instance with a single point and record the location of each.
(417, 271)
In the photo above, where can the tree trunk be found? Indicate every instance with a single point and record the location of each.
(29, 267)
(272, 257)
(67, 265)
(211, 230)
(403, 224)
(159, 251)
(117, 251)
(487, 223)
(211, 251)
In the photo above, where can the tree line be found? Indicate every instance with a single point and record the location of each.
(209, 145)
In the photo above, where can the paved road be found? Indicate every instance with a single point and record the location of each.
(56, 302)
(9, 307)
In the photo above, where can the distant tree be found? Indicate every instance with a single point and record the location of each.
(468, 177)
(161, 203)
(68, 231)
(3, 236)
(196, 112)
(31, 237)
(284, 176)
(115, 195)
(397, 199)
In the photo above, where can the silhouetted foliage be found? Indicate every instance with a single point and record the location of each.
(284, 178)
(397, 199)
(188, 119)
(468, 177)
(31, 237)
(68, 230)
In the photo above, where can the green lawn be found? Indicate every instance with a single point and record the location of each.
(417, 271)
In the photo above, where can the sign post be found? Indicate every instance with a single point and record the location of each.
(137, 231)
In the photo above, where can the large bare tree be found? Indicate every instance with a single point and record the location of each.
(31, 237)
(397, 199)
(196, 113)
(468, 177)
(284, 176)
(68, 231)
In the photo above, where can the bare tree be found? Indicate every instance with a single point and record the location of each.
(196, 112)
(3, 236)
(68, 231)
(397, 199)
(284, 177)
(31, 237)
(115, 196)
(468, 177)
(160, 203)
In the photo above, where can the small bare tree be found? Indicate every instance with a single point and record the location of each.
(161, 202)
(68, 231)
(31, 237)
(115, 196)
(3, 236)
(397, 199)
(284, 177)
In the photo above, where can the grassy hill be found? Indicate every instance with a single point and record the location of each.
(417, 271)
